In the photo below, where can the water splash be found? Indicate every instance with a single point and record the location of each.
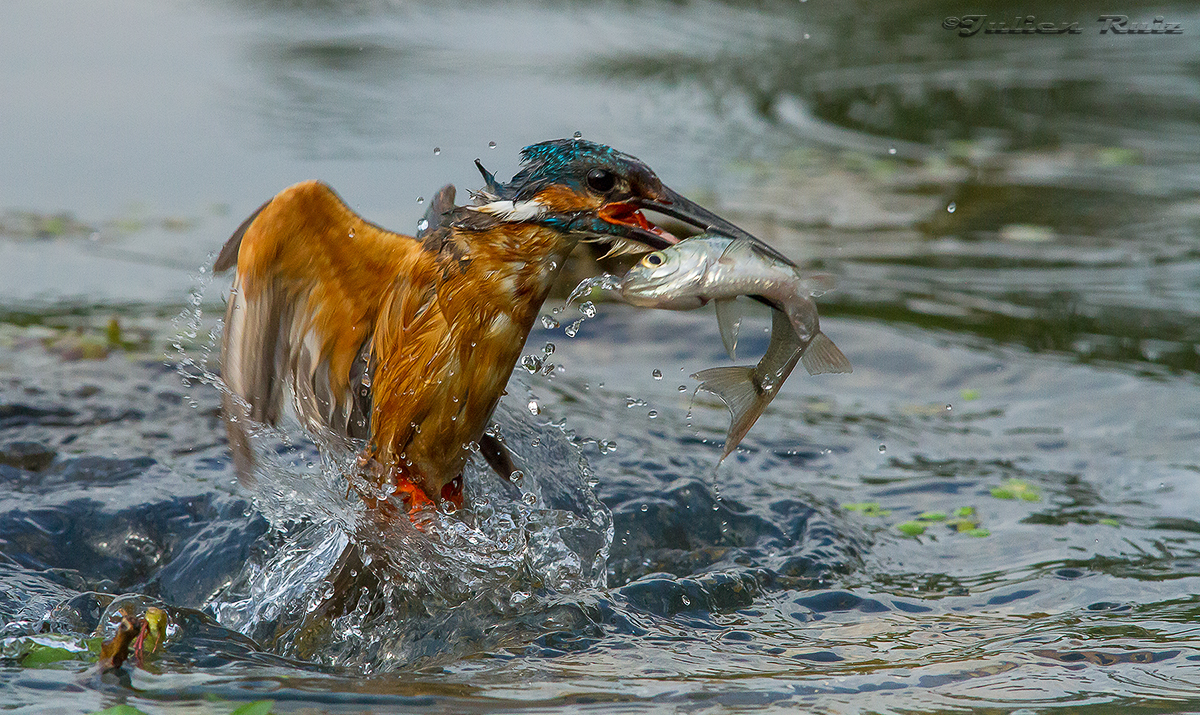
(190, 354)
(346, 586)
(587, 309)
(604, 281)
(339, 584)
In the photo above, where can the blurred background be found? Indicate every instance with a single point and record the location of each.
(996, 509)
(137, 135)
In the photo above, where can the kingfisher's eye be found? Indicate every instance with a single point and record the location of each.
(601, 180)
(654, 259)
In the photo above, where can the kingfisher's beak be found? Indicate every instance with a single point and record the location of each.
(628, 214)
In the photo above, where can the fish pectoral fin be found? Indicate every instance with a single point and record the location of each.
(740, 393)
(729, 320)
(497, 455)
(822, 357)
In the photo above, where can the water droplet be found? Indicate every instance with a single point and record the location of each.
(588, 309)
(536, 441)
(882, 448)
(656, 374)
(437, 150)
(577, 135)
(949, 407)
(532, 363)
(549, 323)
(892, 150)
(491, 145)
(652, 414)
(952, 207)
(529, 498)
(534, 408)
(573, 329)
(422, 224)
(548, 348)
(686, 601)
(420, 199)
(516, 475)
(352, 233)
(806, 35)
(683, 388)
(645, 507)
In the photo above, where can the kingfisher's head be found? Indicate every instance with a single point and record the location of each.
(592, 191)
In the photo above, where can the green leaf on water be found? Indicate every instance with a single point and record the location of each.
(911, 528)
(968, 395)
(867, 508)
(932, 516)
(120, 710)
(1017, 489)
(40, 655)
(978, 532)
(965, 511)
(258, 707)
(1110, 522)
(961, 525)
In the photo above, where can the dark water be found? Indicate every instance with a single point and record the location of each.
(1014, 223)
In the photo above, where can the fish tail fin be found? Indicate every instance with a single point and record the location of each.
(744, 398)
(816, 284)
(822, 356)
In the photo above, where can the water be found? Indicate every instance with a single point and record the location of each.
(1013, 224)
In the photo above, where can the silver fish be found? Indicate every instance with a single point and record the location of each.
(716, 268)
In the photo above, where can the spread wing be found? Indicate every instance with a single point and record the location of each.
(313, 281)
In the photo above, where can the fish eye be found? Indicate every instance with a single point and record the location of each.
(601, 180)
(654, 259)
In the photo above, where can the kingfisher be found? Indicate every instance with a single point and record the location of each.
(402, 343)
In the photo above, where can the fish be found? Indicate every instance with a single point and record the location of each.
(716, 268)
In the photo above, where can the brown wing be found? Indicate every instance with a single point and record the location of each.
(312, 281)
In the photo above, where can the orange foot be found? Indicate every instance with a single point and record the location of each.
(413, 496)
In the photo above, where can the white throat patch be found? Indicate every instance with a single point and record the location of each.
(513, 211)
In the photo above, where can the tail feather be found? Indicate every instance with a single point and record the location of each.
(822, 356)
(740, 393)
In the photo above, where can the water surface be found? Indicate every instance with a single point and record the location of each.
(1013, 222)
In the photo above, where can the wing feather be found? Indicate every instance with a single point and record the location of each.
(313, 280)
